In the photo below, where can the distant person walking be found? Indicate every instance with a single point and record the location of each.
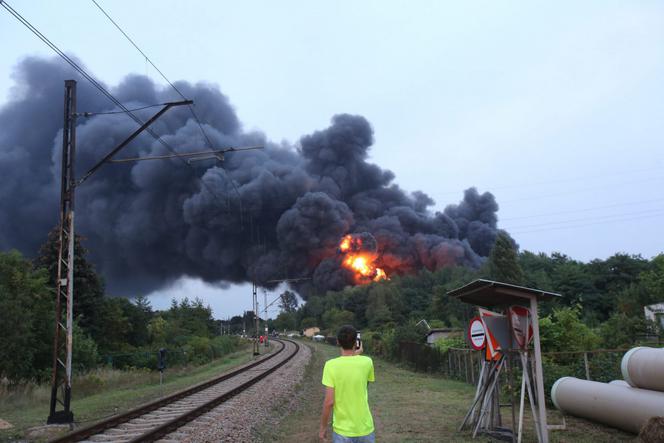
(345, 379)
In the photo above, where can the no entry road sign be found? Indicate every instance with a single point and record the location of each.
(476, 334)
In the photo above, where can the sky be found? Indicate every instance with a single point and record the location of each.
(555, 108)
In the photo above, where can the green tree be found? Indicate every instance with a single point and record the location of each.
(653, 279)
(335, 318)
(288, 301)
(188, 318)
(85, 354)
(563, 330)
(503, 264)
(378, 312)
(285, 321)
(139, 314)
(26, 319)
(115, 329)
(88, 286)
(617, 272)
(537, 270)
(157, 330)
(308, 322)
(622, 331)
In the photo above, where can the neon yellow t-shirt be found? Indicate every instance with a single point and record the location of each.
(348, 375)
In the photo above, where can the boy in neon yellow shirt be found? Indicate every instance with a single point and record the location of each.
(345, 379)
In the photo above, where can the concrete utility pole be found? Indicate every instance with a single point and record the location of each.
(254, 290)
(60, 405)
(265, 317)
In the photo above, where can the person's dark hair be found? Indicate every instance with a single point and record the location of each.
(346, 337)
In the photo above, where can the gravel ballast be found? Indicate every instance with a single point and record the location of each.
(260, 406)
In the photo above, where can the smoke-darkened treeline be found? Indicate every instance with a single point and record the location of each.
(601, 305)
(258, 216)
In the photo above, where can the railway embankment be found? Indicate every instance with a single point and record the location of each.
(102, 393)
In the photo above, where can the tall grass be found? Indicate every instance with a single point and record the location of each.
(105, 378)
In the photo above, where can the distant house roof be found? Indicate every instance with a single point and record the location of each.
(443, 330)
(493, 293)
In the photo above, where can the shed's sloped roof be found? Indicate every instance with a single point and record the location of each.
(490, 293)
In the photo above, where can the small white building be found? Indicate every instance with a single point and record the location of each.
(655, 313)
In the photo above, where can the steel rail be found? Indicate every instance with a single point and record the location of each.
(172, 425)
(116, 420)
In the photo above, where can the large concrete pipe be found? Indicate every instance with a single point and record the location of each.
(644, 368)
(612, 405)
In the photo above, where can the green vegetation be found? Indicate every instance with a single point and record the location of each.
(111, 332)
(503, 262)
(26, 312)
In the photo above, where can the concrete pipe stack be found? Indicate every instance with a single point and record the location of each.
(625, 404)
(644, 368)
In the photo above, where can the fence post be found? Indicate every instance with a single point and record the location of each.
(585, 363)
(458, 354)
(469, 369)
(472, 366)
(449, 363)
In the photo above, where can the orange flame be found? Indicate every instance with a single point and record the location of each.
(344, 246)
(360, 262)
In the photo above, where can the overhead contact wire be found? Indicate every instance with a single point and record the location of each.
(97, 85)
(191, 108)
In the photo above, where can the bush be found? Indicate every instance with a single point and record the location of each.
(85, 355)
(621, 331)
(563, 330)
(445, 343)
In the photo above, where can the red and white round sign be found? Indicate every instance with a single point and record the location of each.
(476, 334)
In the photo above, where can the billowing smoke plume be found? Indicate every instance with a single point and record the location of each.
(260, 215)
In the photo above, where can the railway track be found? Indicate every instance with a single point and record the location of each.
(156, 420)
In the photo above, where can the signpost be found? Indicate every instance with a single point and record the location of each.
(507, 330)
(476, 334)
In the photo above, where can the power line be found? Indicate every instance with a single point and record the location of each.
(100, 87)
(193, 113)
(589, 224)
(191, 108)
(584, 189)
(562, 180)
(92, 114)
(584, 219)
(81, 71)
(574, 211)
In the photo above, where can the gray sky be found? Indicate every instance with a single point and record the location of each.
(556, 108)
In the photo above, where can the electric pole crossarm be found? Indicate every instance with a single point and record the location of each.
(197, 155)
(133, 135)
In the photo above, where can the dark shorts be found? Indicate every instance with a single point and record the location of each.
(336, 438)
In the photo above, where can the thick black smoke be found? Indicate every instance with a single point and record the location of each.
(261, 215)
